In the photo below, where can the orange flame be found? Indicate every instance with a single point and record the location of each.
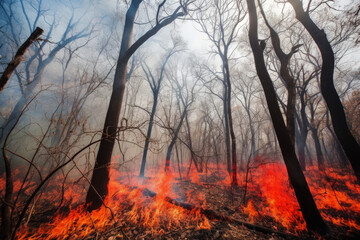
(124, 204)
(270, 183)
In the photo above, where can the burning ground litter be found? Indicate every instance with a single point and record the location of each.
(131, 212)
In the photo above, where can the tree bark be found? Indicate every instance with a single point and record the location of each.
(226, 121)
(307, 204)
(347, 140)
(319, 154)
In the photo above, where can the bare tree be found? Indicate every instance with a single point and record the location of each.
(285, 74)
(221, 24)
(100, 178)
(155, 85)
(184, 98)
(307, 204)
(39, 60)
(347, 140)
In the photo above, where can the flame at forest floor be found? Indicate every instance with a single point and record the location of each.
(271, 202)
(336, 194)
(124, 205)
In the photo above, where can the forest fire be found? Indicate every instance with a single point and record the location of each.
(336, 195)
(179, 119)
(271, 202)
(124, 204)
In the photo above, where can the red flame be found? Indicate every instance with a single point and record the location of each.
(271, 201)
(270, 183)
(123, 204)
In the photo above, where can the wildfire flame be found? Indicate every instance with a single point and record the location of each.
(124, 204)
(271, 200)
(278, 201)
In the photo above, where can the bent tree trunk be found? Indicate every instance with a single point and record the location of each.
(100, 178)
(307, 204)
(347, 140)
(285, 75)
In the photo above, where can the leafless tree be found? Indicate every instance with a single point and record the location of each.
(155, 85)
(347, 140)
(185, 96)
(307, 204)
(38, 62)
(221, 23)
(100, 178)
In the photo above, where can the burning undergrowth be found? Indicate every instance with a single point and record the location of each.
(125, 205)
(141, 207)
(271, 197)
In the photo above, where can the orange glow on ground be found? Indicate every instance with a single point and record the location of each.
(269, 196)
(123, 204)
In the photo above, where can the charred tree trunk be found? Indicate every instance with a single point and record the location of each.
(285, 75)
(313, 126)
(173, 141)
(148, 135)
(303, 125)
(347, 140)
(319, 154)
(307, 204)
(226, 121)
(100, 178)
(18, 57)
(301, 146)
(231, 127)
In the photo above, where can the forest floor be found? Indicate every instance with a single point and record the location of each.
(226, 201)
(206, 192)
